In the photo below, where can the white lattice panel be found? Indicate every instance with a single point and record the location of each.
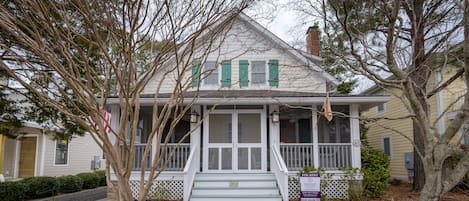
(329, 189)
(165, 190)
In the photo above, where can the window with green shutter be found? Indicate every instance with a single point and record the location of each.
(243, 73)
(273, 72)
(196, 73)
(226, 74)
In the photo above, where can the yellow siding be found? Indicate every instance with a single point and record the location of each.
(2, 143)
(400, 128)
(399, 143)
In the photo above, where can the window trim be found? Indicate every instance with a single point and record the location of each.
(264, 85)
(378, 112)
(390, 145)
(55, 154)
(203, 79)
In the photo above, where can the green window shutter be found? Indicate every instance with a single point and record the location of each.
(196, 67)
(226, 74)
(273, 72)
(243, 73)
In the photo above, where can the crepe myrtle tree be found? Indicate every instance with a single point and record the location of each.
(127, 43)
(399, 44)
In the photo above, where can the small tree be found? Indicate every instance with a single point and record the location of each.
(73, 55)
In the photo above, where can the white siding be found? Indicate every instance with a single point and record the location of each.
(244, 43)
(81, 151)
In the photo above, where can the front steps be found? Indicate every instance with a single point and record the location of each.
(235, 187)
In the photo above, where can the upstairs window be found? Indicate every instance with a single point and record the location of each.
(381, 108)
(258, 72)
(210, 73)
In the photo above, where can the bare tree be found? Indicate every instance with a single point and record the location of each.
(397, 44)
(73, 55)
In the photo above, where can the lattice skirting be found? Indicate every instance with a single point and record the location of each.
(162, 189)
(329, 188)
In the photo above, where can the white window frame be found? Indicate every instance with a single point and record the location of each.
(378, 112)
(55, 153)
(211, 86)
(266, 67)
(390, 145)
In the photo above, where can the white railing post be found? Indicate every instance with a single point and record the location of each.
(355, 136)
(314, 119)
(280, 171)
(189, 172)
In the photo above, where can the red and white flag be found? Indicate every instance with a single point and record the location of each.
(106, 116)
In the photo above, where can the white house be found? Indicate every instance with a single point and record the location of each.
(272, 93)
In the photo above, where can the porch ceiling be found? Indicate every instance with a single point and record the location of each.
(249, 97)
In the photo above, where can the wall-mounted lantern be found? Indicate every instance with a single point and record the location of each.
(275, 116)
(194, 116)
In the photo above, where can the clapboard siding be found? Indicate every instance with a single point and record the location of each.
(395, 108)
(81, 152)
(244, 43)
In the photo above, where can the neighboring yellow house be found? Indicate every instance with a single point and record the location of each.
(2, 142)
(393, 136)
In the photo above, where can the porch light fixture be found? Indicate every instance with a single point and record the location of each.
(194, 117)
(275, 116)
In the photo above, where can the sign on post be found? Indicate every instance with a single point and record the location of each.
(310, 187)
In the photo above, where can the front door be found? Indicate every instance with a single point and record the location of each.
(27, 157)
(240, 148)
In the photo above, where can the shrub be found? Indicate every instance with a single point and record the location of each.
(12, 191)
(90, 180)
(69, 184)
(39, 187)
(102, 177)
(375, 168)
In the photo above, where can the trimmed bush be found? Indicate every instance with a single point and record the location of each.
(375, 168)
(12, 191)
(102, 177)
(90, 180)
(39, 187)
(69, 184)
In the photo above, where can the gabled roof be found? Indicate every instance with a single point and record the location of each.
(310, 60)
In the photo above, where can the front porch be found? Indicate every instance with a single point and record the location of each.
(260, 143)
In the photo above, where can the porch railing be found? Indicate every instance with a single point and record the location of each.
(176, 163)
(297, 155)
(280, 170)
(332, 156)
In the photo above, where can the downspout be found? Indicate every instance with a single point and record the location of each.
(439, 102)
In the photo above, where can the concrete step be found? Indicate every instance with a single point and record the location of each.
(235, 198)
(236, 191)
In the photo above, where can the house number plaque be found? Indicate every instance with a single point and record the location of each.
(234, 184)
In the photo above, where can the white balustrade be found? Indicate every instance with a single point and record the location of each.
(334, 156)
(280, 170)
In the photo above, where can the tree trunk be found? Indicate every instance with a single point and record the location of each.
(433, 188)
(123, 191)
(419, 76)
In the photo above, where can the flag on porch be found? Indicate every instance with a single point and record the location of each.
(327, 108)
(107, 121)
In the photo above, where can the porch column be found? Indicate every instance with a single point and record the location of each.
(115, 118)
(355, 136)
(195, 128)
(274, 128)
(314, 123)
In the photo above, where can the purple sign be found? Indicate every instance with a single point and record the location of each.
(310, 187)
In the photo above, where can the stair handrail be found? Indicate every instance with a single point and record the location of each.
(280, 171)
(190, 170)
